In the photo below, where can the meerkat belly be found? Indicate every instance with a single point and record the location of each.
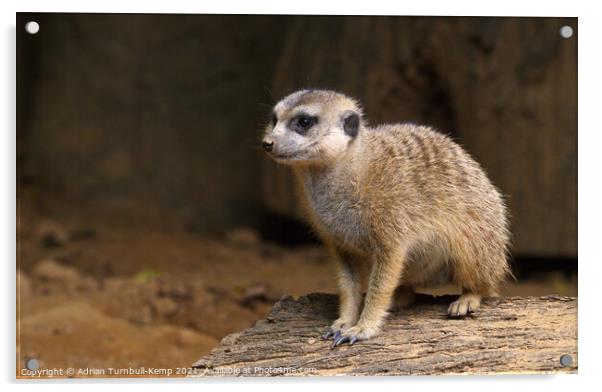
(427, 265)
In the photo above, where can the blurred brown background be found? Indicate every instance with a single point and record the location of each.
(139, 170)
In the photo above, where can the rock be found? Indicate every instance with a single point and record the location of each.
(52, 276)
(50, 270)
(164, 306)
(177, 291)
(243, 237)
(86, 283)
(51, 234)
(142, 315)
(259, 293)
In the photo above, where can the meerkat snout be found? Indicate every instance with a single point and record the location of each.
(402, 199)
(267, 145)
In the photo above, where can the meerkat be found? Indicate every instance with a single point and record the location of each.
(403, 199)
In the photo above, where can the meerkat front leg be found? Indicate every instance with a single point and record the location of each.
(350, 296)
(384, 277)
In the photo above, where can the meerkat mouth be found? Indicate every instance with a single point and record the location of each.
(286, 160)
(286, 157)
(299, 155)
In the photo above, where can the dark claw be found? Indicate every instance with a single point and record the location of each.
(340, 340)
(353, 340)
(336, 335)
(327, 335)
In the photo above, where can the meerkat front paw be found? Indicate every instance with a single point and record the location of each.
(339, 325)
(467, 303)
(354, 334)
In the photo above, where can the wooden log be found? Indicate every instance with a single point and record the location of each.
(507, 335)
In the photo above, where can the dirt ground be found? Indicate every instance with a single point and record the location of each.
(99, 293)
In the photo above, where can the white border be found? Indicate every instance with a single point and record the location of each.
(372, 7)
(590, 196)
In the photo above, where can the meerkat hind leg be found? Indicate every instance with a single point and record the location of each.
(468, 302)
(404, 296)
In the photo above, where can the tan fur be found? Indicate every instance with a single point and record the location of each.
(403, 199)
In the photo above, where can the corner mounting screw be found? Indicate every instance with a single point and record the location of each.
(566, 360)
(32, 364)
(32, 27)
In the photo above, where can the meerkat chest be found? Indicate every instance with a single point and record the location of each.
(334, 203)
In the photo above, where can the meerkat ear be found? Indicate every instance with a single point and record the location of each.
(351, 123)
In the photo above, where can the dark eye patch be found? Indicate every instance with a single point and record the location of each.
(301, 123)
(351, 124)
(274, 119)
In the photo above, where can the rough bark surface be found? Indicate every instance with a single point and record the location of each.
(507, 335)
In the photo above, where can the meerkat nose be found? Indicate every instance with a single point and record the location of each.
(268, 145)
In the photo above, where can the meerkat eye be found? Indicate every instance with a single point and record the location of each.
(274, 119)
(303, 122)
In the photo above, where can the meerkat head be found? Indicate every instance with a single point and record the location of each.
(312, 127)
